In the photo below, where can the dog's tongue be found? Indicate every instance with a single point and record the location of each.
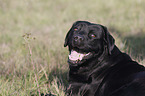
(74, 56)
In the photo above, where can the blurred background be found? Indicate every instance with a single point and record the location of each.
(33, 61)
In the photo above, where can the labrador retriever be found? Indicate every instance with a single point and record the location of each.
(98, 67)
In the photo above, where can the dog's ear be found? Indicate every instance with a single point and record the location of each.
(109, 40)
(70, 34)
(67, 37)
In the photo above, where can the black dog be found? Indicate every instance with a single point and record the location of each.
(98, 67)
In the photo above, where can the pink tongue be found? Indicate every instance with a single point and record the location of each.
(76, 56)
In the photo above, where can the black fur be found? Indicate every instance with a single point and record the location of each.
(107, 71)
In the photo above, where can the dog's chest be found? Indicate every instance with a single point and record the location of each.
(87, 88)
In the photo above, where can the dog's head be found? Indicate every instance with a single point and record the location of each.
(86, 40)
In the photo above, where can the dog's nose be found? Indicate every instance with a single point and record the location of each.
(78, 39)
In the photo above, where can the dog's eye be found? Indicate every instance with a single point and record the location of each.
(75, 29)
(92, 35)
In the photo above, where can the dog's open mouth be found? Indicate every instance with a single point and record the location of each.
(76, 57)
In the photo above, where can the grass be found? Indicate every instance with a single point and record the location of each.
(48, 21)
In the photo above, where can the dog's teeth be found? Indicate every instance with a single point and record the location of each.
(75, 56)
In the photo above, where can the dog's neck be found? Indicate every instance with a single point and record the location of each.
(82, 73)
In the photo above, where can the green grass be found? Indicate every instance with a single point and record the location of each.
(48, 21)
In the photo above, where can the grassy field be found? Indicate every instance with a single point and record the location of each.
(33, 60)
